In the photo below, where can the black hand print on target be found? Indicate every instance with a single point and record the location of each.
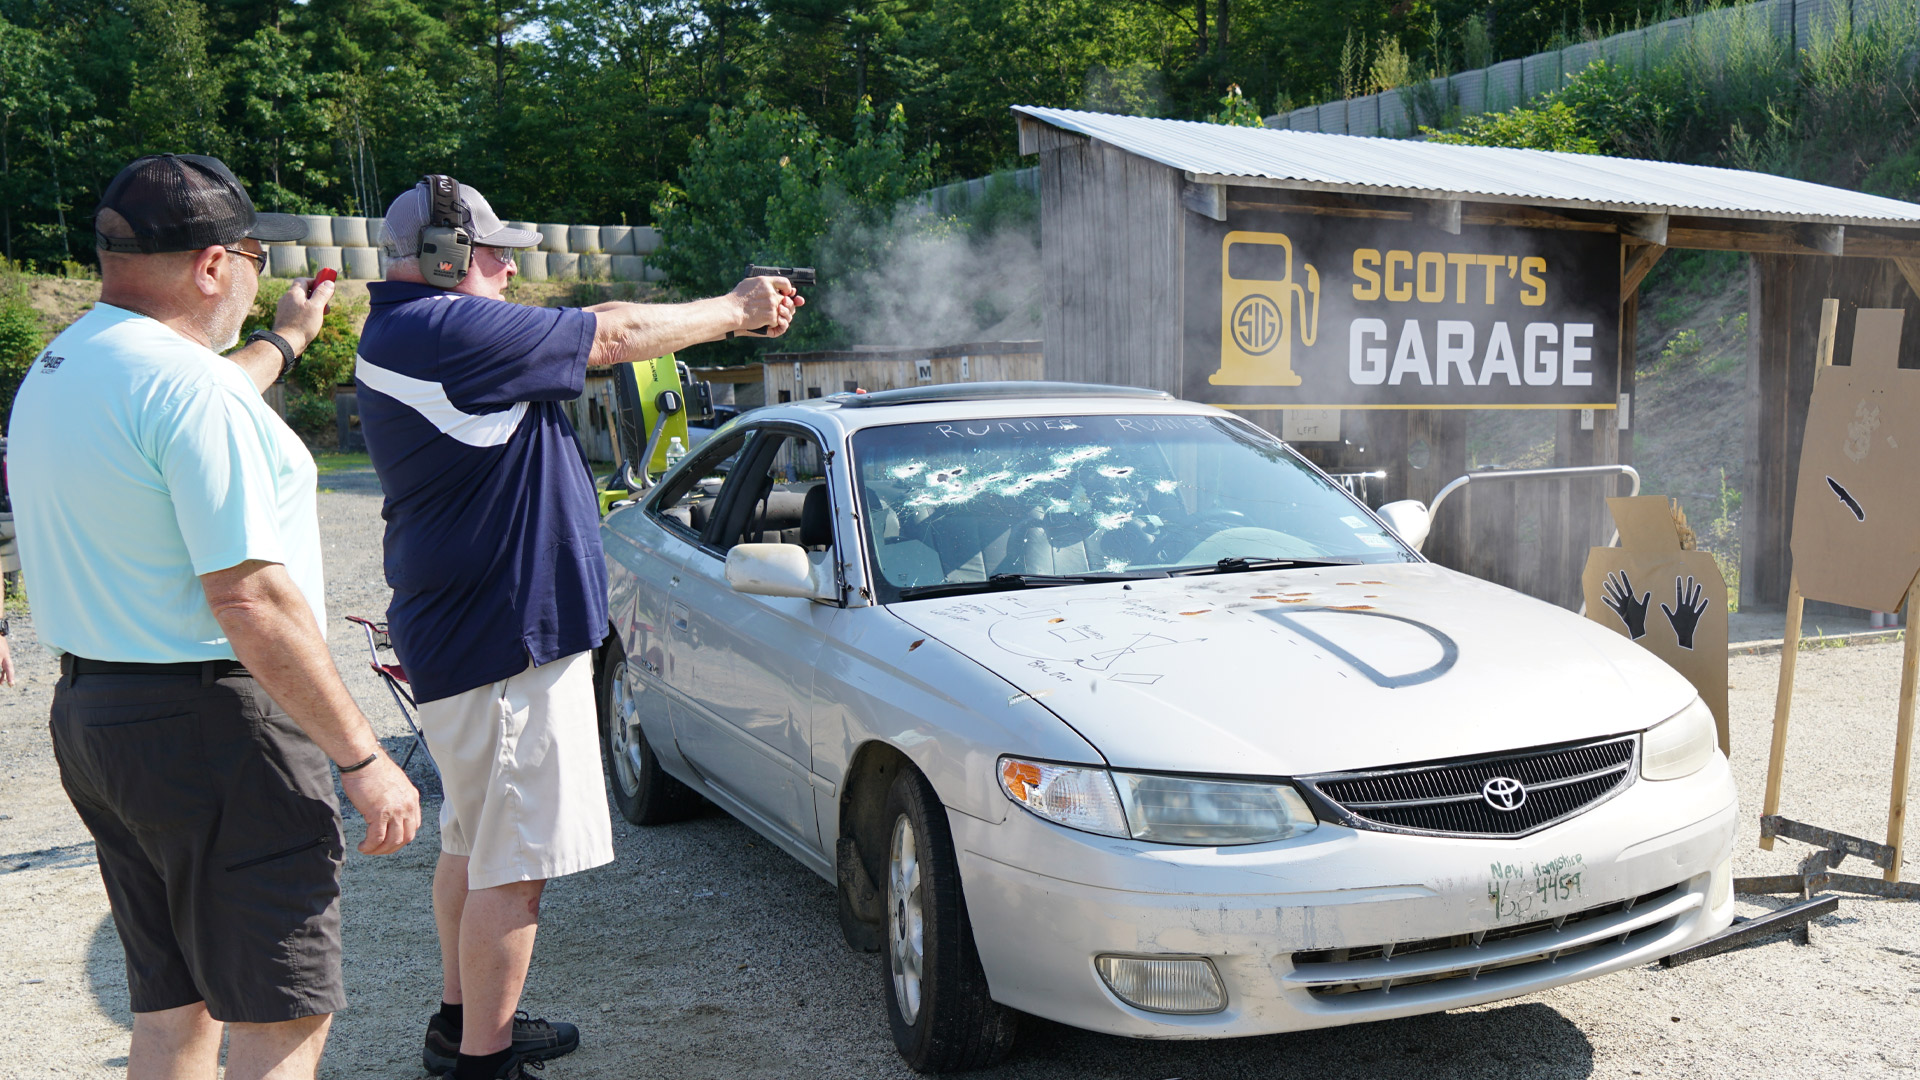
(1690, 605)
(1620, 599)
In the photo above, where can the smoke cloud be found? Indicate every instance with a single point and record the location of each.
(928, 280)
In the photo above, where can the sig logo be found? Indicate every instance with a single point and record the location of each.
(1256, 324)
(1259, 303)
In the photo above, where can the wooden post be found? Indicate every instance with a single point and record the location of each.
(1782, 703)
(1903, 742)
(1790, 637)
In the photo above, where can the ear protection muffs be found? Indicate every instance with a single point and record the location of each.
(446, 249)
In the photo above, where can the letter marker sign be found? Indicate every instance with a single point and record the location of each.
(1311, 311)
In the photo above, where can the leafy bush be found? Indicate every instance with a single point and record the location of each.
(327, 363)
(313, 415)
(21, 337)
(1551, 126)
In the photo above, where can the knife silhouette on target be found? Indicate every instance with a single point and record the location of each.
(1847, 499)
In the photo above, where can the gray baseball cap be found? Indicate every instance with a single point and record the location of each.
(409, 213)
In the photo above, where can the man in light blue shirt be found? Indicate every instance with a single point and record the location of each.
(168, 536)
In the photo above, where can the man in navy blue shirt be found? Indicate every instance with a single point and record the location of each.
(500, 590)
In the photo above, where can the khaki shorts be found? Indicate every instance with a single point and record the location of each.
(519, 761)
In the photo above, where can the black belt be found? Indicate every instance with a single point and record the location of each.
(205, 670)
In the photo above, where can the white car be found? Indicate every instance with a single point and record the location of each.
(1111, 709)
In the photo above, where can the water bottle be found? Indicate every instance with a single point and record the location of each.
(675, 451)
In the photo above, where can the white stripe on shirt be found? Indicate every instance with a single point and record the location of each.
(429, 399)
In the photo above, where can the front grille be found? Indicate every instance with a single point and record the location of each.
(1327, 960)
(1447, 797)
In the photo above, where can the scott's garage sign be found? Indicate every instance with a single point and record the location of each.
(1313, 311)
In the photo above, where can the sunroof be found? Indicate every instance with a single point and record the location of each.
(983, 391)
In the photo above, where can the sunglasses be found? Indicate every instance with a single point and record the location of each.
(258, 259)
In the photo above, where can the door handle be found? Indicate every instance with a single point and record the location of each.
(679, 615)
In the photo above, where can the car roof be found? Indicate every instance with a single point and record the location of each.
(837, 413)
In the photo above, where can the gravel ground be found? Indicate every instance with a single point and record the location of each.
(705, 952)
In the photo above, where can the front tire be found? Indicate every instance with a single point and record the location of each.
(937, 1002)
(642, 791)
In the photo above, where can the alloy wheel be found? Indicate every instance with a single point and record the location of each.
(906, 924)
(623, 734)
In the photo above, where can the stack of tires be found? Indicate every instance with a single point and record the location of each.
(350, 246)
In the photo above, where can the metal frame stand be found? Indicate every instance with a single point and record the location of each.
(1816, 871)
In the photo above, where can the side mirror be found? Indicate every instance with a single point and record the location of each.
(1409, 520)
(782, 570)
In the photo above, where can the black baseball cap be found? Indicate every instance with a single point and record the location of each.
(185, 202)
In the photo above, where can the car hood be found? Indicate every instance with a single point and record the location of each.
(1304, 671)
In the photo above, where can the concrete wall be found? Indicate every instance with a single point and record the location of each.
(1399, 113)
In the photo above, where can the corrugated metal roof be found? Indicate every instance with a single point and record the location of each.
(1360, 165)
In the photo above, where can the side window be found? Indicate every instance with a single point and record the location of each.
(686, 504)
(786, 500)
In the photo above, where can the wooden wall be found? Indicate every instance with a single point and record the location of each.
(1112, 251)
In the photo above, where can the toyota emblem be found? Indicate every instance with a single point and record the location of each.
(1504, 793)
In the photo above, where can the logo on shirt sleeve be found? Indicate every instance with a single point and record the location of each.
(50, 362)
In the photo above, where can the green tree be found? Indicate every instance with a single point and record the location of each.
(284, 123)
(715, 219)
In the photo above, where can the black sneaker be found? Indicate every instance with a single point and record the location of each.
(533, 1040)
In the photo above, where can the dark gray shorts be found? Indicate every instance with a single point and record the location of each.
(218, 836)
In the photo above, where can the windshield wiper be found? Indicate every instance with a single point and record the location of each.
(1241, 563)
(1007, 582)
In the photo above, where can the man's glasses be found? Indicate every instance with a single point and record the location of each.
(259, 259)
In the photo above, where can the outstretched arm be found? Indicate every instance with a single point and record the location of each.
(630, 333)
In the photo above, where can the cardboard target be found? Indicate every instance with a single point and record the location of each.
(1856, 511)
(1668, 600)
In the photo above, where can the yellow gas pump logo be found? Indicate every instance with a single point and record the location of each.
(1258, 301)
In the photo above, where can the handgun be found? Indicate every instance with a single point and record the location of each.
(795, 275)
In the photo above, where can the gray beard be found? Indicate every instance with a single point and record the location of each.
(223, 326)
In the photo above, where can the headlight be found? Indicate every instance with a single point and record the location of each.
(1078, 798)
(1680, 745)
(1160, 809)
(1178, 810)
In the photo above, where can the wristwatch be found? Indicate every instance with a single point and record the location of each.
(6, 624)
(287, 356)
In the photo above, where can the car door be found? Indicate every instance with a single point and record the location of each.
(645, 550)
(750, 659)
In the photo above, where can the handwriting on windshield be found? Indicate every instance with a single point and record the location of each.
(992, 427)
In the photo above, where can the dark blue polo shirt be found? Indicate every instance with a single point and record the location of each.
(493, 529)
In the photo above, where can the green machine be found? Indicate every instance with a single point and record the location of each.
(653, 400)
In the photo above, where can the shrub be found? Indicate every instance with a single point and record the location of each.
(328, 361)
(21, 337)
(1551, 126)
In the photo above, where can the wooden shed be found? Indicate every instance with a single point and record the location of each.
(1364, 297)
(796, 376)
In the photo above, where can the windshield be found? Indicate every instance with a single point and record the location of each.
(953, 503)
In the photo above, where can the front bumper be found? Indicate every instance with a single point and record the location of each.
(1045, 900)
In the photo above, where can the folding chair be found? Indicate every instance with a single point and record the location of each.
(396, 680)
